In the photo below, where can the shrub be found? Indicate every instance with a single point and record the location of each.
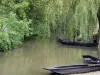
(12, 31)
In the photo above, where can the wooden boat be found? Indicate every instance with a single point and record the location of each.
(76, 43)
(74, 69)
(91, 59)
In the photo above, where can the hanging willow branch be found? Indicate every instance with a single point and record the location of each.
(72, 18)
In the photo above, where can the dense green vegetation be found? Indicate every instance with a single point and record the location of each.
(64, 18)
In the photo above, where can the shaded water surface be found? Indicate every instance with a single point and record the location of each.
(32, 56)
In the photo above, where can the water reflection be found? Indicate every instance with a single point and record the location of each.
(31, 57)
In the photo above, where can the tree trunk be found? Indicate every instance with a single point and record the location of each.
(98, 43)
(99, 40)
(98, 16)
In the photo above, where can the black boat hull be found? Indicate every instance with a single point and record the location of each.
(76, 43)
(91, 59)
(74, 69)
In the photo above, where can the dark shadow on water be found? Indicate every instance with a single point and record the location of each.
(55, 74)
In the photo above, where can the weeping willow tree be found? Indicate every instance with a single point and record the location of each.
(71, 19)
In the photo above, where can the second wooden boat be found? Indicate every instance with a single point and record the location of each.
(91, 59)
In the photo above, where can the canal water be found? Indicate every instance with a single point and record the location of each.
(32, 56)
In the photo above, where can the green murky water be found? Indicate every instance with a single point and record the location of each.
(32, 56)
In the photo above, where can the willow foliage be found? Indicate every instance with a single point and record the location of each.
(73, 18)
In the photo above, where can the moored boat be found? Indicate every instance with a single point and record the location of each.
(74, 69)
(77, 43)
(91, 59)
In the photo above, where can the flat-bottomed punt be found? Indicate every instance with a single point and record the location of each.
(91, 59)
(74, 69)
(76, 43)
